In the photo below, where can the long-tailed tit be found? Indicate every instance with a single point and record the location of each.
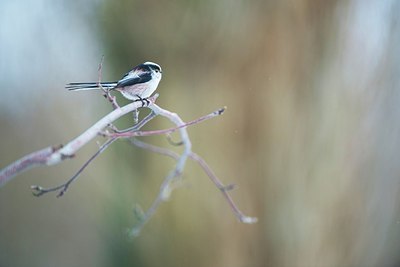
(137, 84)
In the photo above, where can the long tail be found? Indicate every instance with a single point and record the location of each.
(90, 86)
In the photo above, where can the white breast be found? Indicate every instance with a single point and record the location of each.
(142, 90)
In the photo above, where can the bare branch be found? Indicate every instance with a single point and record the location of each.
(155, 149)
(105, 92)
(39, 191)
(165, 188)
(136, 127)
(29, 161)
(156, 109)
(223, 188)
(51, 156)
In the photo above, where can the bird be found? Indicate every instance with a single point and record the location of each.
(136, 85)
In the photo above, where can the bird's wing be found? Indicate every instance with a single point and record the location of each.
(132, 78)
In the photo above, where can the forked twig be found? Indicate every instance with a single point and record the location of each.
(38, 190)
(223, 188)
(129, 134)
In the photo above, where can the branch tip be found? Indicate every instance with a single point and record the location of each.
(134, 232)
(37, 190)
(62, 192)
(101, 63)
(138, 212)
(220, 111)
(248, 220)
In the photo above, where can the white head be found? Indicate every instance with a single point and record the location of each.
(154, 68)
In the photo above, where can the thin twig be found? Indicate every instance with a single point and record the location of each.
(139, 125)
(165, 188)
(130, 134)
(105, 92)
(165, 192)
(99, 70)
(223, 188)
(39, 191)
(155, 149)
(136, 116)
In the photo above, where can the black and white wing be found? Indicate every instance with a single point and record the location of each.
(134, 77)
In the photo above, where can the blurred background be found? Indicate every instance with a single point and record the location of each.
(310, 137)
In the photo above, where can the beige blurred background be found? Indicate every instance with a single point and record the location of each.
(310, 137)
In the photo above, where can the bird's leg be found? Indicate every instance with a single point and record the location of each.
(145, 102)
